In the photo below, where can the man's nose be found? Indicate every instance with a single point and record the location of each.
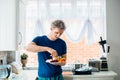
(58, 35)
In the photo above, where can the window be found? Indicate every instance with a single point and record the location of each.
(85, 21)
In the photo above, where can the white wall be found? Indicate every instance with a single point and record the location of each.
(113, 33)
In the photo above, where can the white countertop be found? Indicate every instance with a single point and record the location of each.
(94, 74)
(32, 74)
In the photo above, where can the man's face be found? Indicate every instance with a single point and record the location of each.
(56, 33)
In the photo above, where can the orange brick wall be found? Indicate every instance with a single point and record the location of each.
(76, 51)
(80, 51)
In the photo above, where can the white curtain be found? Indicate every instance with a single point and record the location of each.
(83, 18)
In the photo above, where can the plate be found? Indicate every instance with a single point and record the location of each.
(54, 62)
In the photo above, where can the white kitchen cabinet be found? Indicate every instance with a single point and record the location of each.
(102, 75)
(8, 26)
(12, 24)
(21, 24)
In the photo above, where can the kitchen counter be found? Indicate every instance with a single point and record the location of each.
(25, 75)
(102, 75)
(20, 76)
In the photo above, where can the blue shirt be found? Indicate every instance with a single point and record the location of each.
(47, 69)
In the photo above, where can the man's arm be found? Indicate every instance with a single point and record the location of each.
(36, 48)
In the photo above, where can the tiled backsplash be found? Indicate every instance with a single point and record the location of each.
(3, 58)
(7, 57)
(11, 56)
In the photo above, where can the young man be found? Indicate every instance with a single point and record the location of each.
(49, 47)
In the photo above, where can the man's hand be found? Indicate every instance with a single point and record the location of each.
(53, 52)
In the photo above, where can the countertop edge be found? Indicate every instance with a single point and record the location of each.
(94, 74)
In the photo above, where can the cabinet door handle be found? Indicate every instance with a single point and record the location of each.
(20, 38)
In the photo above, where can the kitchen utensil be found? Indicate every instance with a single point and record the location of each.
(5, 71)
(95, 64)
(103, 65)
(82, 71)
(102, 42)
(108, 49)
